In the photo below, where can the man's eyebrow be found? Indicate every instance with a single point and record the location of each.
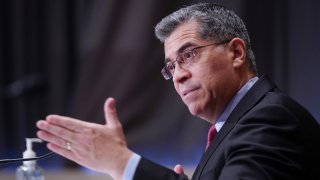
(181, 49)
(185, 46)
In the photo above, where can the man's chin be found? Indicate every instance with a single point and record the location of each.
(194, 110)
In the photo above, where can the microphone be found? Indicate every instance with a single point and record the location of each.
(6, 161)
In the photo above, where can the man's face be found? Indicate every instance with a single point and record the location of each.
(206, 85)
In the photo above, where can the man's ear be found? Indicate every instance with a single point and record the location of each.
(238, 49)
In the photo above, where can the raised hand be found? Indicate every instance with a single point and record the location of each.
(102, 148)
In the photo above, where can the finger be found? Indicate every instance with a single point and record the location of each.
(62, 151)
(46, 136)
(178, 169)
(110, 113)
(67, 122)
(62, 146)
(56, 132)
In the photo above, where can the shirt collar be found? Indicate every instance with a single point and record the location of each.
(234, 101)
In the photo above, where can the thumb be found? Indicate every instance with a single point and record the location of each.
(110, 113)
(178, 169)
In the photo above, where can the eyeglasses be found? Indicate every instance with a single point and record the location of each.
(184, 58)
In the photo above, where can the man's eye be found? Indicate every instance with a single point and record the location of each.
(170, 67)
(187, 56)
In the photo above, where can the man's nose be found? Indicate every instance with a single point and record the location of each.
(180, 73)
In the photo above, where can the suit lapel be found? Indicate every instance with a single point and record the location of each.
(253, 96)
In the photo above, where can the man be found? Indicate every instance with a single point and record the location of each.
(260, 133)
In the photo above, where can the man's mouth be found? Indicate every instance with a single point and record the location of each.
(188, 91)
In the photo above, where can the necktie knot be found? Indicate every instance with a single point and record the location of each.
(212, 132)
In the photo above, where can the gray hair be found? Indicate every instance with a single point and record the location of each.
(216, 24)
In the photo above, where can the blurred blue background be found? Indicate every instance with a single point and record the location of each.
(67, 57)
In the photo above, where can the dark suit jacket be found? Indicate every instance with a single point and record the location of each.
(267, 136)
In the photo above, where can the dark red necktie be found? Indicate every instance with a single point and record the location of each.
(212, 132)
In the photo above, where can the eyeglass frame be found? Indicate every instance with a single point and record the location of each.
(166, 72)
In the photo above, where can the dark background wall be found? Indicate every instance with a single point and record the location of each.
(67, 57)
